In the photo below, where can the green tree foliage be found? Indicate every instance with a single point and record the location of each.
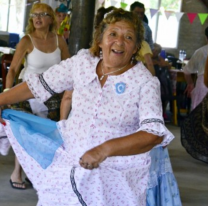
(171, 4)
(167, 4)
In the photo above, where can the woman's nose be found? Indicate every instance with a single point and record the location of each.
(120, 40)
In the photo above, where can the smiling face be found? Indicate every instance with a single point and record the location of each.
(118, 44)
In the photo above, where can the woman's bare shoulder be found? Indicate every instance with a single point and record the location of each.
(25, 39)
(25, 44)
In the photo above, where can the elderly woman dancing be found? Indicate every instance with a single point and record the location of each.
(100, 154)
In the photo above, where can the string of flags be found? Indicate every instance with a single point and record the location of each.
(191, 16)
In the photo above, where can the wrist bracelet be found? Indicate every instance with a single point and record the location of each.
(7, 89)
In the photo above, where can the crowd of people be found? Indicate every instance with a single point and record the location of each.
(107, 144)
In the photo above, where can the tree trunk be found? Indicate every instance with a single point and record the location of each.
(81, 25)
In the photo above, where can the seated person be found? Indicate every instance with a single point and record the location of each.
(161, 71)
(157, 59)
(145, 55)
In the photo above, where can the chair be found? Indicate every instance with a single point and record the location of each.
(13, 39)
(6, 60)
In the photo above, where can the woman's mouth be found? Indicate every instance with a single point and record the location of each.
(117, 51)
(38, 22)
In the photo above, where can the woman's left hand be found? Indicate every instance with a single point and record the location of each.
(92, 158)
(1, 120)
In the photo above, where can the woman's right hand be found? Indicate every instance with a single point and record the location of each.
(189, 89)
(93, 157)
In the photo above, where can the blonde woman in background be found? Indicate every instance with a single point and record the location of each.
(41, 47)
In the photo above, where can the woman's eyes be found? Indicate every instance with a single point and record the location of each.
(127, 36)
(112, 34)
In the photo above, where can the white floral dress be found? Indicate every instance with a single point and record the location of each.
(127, 103)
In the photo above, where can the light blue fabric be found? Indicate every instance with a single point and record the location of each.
(41, 138)
(162, 187)
(166, 193)
(38, 136)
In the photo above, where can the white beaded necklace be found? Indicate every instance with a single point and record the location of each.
(105, 74)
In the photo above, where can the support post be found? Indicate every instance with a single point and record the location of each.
(81, 25)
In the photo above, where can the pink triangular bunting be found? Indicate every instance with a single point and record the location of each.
(191, 17)
(168, 14)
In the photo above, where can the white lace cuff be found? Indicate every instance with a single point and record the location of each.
(157, 127)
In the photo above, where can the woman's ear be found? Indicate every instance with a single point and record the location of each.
(138, 47)
(100, 45)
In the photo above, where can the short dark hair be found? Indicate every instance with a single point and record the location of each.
(206, 32)
(136, 4)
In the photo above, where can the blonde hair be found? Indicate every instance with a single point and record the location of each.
(157, 47)
(46, 8)
(114, 16)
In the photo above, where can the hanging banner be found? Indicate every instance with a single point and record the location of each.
(54, 3)
(101, 1)
(179, 15)
(113, 3)
(202, 17)
(153, 12)
(123, 5)
(168, 14)
(191, 17)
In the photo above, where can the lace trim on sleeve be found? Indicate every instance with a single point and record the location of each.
(45, 85)
(146, 121)
(157, 127)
